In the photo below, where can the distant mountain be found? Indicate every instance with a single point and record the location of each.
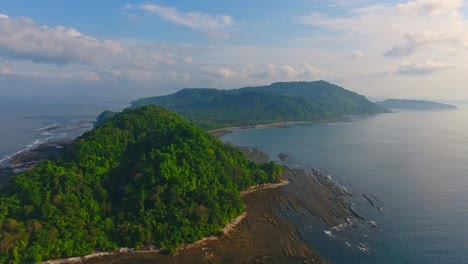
(144, 177)
(332, 98)
(414, 105)
(279, 102)
(211, 108)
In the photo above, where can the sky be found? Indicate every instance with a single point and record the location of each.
(382, 49)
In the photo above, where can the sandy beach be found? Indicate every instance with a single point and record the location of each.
(223, 131)
(226, 130)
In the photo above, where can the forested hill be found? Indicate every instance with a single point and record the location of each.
(333, 98)
(144, 177)
(279, 102)
(414, 105)
(211, 108)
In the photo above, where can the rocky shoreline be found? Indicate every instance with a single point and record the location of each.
(28, 159)
(261, 235)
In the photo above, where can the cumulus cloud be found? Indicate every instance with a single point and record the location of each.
(213, 25)
(410, 27)
(311, 71)
(24, 39)
(221, 72)
(419, 68)
(248, 74)
(412, 42)
(25, 42)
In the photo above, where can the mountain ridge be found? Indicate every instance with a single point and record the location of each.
(211, 108)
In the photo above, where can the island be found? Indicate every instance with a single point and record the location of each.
(281, 102)
(414, 105)
(150, 185)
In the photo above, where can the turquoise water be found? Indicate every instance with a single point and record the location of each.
(414, 163)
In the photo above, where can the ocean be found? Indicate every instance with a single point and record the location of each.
(413, 165)
(26, 122)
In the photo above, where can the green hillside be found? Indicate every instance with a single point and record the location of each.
(211, 108)
(145, 177)
(332, 98)
(279, 102)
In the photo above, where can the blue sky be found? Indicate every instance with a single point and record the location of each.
(404, 49)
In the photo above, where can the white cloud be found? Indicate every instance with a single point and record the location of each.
(24, 39)
(413, 42)
(427, 46)
(425, 67)
(408, 28)
(426, 40)
(221, 72)
(237, 75)
(214, 26)
(312, 71)
(25, 43)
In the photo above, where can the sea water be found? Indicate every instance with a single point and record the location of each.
(414, 165)
(26, 122)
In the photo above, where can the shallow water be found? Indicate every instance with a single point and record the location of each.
(414, 163)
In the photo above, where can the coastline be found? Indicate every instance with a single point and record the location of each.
(26, 160)
(231, 226)
(261, 234)
(219, 132)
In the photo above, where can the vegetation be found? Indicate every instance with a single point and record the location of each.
(414, 104)
(103, 117)
(211, 108)
(146, 176)
(279, 102)
(332, 98)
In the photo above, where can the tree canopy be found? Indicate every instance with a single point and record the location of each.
(278, 102)
(144, 177)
